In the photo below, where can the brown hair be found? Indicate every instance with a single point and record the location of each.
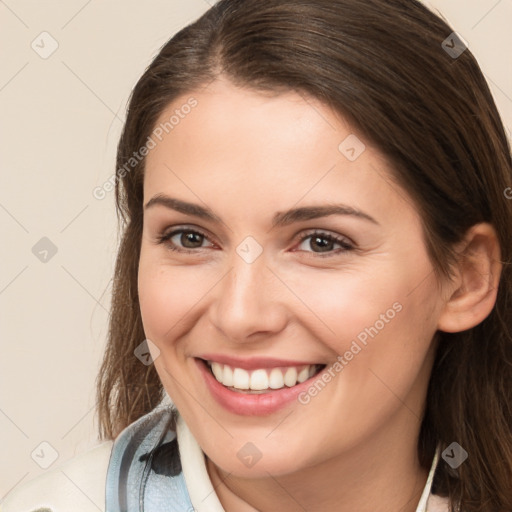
(381, 65)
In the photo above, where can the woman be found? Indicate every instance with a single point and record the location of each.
(311, 304)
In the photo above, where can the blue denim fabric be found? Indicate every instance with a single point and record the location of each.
(144, 472)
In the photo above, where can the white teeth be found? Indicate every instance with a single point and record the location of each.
(290, 377)
(217, 370)
(303, 374)
(261, 379)
(240, 378)
(227, 377)
(276, 379)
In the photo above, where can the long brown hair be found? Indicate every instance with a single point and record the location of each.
(382, 65)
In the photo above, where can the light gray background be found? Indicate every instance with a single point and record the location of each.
(61, 117)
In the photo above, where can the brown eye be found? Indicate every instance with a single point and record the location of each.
(323, 243)
(320, 242)
(191, 239)
(184, 240)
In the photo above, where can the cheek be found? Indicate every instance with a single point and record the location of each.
(166, 295)
(343, 306)
(158, 301)
(374, 322)
(383, 335)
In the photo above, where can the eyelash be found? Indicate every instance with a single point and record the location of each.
(164, 238)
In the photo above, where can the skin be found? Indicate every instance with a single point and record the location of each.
(247, 155)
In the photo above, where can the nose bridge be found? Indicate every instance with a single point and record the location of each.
(247, 285)
(246, 301)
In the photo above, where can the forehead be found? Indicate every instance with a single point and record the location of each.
(230, 144)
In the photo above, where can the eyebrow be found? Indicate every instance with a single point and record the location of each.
(280, 219)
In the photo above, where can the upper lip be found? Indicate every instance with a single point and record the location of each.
(253, 363)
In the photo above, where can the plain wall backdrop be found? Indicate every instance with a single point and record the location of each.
(68, 68)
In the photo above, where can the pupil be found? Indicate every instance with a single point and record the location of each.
(188, 238)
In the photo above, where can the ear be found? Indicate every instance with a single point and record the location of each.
(472, 294)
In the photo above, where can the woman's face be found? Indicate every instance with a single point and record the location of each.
(269, 271)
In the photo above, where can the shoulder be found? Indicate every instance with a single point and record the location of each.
(78, 485)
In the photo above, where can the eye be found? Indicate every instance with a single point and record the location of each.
(184, 240)
(322, 244)
(319, 243)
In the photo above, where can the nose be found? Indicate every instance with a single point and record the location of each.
(249, 302)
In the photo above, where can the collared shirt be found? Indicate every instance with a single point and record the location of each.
(204, 498)
(148, 468)
(178, 474)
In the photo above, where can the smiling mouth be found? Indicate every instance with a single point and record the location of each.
(261, 380)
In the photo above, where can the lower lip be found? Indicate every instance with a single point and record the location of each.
(251, 404)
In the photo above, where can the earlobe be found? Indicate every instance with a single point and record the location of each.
(473, 292)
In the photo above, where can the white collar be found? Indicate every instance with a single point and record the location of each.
(200, 488)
